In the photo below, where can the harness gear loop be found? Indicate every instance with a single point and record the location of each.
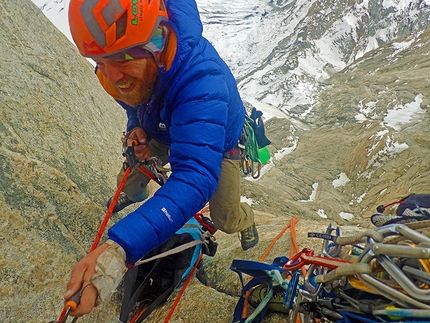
(248, 147)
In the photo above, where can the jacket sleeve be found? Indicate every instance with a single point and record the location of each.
(199, 109)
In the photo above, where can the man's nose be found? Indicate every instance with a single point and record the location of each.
(113, 72)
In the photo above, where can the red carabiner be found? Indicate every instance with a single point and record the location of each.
(295, 262)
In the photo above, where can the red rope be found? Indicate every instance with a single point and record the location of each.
(147, 173)
(103, 225)
(139, 312)
(63, 313)
(110, 210)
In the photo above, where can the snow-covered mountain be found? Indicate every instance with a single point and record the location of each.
(280, 50)
(357, 68)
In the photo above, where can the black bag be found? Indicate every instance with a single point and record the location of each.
(418, 203)
(258, 127)
(151, 283)
(412, 208)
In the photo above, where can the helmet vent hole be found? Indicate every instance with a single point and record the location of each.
(121, 25)
(162, 6)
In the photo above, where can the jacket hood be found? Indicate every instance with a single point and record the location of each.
(185, 20)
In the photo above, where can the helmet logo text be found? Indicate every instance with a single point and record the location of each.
(134, 11)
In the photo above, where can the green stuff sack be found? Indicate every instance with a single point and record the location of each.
(263, 155)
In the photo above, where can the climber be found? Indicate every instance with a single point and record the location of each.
(183, 107)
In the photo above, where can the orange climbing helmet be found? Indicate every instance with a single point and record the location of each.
(101, 28)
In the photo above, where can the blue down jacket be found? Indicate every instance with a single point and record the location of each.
(197, 111)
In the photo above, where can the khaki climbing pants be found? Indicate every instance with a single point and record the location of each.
(226, 211)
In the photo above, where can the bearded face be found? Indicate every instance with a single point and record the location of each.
(134, 80)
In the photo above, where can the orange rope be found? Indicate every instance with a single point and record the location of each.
(294, 243)
(293, 221)
(178, 298)
(147, 173)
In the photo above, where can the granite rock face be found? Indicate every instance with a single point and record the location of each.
(368, 129)
(60, 152)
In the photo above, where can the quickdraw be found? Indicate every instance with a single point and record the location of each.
(251, 164)
(374, 275)
(151, 167)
